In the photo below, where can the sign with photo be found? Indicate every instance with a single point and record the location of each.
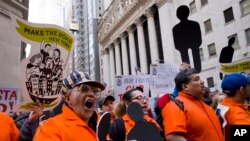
(162, 78)
(125, 83)
(42, 72)
(8, 99)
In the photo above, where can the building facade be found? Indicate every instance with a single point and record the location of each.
(12, 49)
(136, 33)
(86, 52)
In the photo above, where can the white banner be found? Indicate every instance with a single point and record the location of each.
(162, 78)
(8, 99)
(125, 83)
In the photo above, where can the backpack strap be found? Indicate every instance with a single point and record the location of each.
(178, 103)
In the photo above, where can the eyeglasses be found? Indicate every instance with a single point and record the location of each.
(84, 88)
(140, 98)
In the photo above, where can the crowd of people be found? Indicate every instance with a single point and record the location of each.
(192, 112)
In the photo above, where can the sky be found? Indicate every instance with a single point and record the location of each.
(34, 16)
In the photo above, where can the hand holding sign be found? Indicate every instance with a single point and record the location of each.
(36, 112)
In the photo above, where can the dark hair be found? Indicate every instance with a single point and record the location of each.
(183, 77)
(128, 94)
(231, 93)
(120, 109)
(47, 45)
(59, 52)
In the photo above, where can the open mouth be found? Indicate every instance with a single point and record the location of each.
(89, 104)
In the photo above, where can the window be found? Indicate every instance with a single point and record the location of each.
(228, 15)
(247, 31)
(210, 82)
(211, 50)
(208, 26)
(203, 2)
(236, 42)
(245, 7)
(192, 7)
(201, 54)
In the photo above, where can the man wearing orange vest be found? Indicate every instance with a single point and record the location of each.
(9, 131)
(78, 119)
(233, 109)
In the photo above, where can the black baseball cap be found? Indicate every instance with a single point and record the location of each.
(104, 99)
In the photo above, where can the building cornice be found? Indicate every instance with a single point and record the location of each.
(109, 31)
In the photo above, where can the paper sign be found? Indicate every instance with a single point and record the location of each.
(162, 78)
(8, 99)
(125, 83)
(43, 71)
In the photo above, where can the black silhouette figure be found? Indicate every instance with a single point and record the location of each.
(142, 130)
(226, 54)
(187, 34)
(103, 127)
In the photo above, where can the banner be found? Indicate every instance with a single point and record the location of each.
(242, 66)
(43, 71)
(125, 83)
(8, 99)
(162, 78)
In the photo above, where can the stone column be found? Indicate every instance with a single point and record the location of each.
(124, 55)
(154, 51)
(142, 47)
(167, 14)
(112, 65)
(105, 66)
(132, 50)
(117, 59)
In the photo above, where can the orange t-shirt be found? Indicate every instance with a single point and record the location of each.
(198, 122)
(66, 126)
(9, 131)
(236, 114)
(129, 123)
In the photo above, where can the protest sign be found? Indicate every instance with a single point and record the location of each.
(125, 83)
(42, 72)
(8, 99)
(242, 66)
(162, 78)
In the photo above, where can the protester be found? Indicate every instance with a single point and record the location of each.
(182, 67)
(120, 127)
(31, 123)
(27, 123)
(106, 104)
(233, 110)
(207, 96)
(9, 131)
(120, 109)
(78, 119)
(197, 121)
